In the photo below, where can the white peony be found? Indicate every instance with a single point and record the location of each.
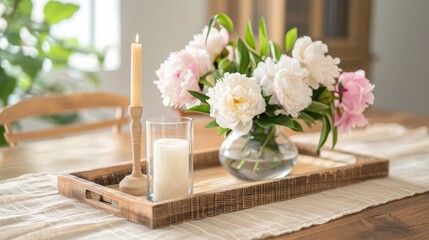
(291, 92)
(285, 82)
(216, 41)
(234, 101)
(265, 73)
(180, 73)
(323, 68)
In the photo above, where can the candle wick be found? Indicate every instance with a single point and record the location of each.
(137, 38)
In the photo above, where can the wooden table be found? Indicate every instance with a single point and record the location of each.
(403, 219)
(407, 218)
(87, 151)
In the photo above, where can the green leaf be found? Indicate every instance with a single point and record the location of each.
(283, 120)
(290, 39)
(229, 131)
(317, 107)
(262, 122)
(250, 38)
(201, 86)
(268, 98)
(326, 97)
(7, 84)
(314, 115)
(206, 74)
(60, 53)
(334, 137)
(200, 96)
(306, 117)
(24, 82)
(317, 92)
(25, 7)
(263, 40)
(212, 124)
(271, 109)
(29, 65)
(276, 51)
(334, 129)
(205, 82)
(232, 69)
(225, 21)
(224, 64)
(3, 141)
(244, 57)
(326, 128)
(56, 11)
(14, 38)
(297, 126)
(221, 130)
(255, 59)
(211, 25)
(201, 108)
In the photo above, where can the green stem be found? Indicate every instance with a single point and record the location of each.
(242, 162)
(261, 151)
(263, 146)
(268, 138)
(255, 167)
(274, 164)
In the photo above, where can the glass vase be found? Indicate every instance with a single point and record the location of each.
(264, 153)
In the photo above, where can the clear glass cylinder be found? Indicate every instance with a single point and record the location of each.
(170, 163)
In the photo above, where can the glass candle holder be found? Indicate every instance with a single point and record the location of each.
(170, 163)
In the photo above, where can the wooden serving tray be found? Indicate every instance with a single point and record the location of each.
(215, 190)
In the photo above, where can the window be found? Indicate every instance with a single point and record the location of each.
(96, 24)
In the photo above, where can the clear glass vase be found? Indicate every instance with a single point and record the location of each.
(264, 153)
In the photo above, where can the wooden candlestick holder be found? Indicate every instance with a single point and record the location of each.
(135, 183)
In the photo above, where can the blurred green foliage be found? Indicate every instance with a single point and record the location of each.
(27, 45)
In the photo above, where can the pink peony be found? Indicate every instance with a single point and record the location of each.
(347, 121)
(356, 95)
(180, 73)
(217, 41)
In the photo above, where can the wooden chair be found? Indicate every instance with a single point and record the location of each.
(55, 104)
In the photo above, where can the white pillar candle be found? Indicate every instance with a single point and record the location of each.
(170, 168)
(136, 72)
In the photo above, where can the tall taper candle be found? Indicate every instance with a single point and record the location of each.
(136, 72)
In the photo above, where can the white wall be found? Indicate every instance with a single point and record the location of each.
(164, 26)
(400, 43)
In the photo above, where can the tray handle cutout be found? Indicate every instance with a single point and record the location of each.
(100, 201)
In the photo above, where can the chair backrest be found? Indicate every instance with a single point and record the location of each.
(55, 104)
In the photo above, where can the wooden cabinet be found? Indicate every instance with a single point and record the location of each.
(344, 25)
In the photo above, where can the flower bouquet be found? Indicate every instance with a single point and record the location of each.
(250, 89)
